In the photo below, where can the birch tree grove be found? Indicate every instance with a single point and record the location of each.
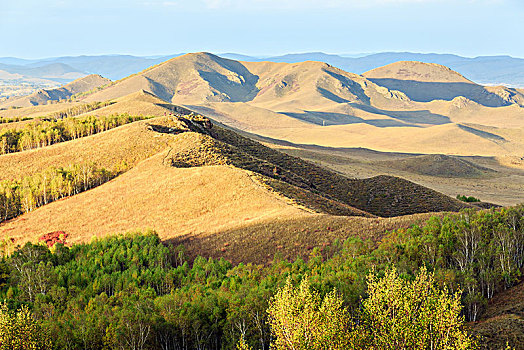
(18, 197)
(43, 133)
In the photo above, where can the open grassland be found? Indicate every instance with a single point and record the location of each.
(173, 201)
(206, 180)
(380, 195)
(482, 177)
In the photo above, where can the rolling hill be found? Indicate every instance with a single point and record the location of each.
(64, 92)
(425, 82)
(489, 70)
(313, 102)
(209, 179)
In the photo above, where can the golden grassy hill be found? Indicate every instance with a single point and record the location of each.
(137, 103)
(417, 71)
(173, 201)
(425, 82)
(201, 178)
(42, 97)
(293, 102)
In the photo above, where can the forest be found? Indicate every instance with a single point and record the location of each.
(133, 291)
(43, 133)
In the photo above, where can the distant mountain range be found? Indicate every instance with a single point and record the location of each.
(486, 70)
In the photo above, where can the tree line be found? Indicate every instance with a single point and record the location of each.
(135, 292)
(79, 109)
(47, 132)
(5, 120)
(25, 195)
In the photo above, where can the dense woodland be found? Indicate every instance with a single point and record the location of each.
(21, 196)
(47, 132)
(135, 292)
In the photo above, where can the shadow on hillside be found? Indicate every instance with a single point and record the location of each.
(326, 118)
(429, 91)
(414, 117)
(400, 118)
(484, 134)
(240, 86)
(353, 86)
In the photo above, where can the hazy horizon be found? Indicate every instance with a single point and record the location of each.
(258, 56)
(57, 28)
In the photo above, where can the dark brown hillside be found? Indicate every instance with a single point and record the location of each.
(503, 321)
(438, 165)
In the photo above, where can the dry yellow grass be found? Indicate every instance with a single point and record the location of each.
(36, 111)
(173, 201)
(138, 103)
(292, 101)
(419, 71)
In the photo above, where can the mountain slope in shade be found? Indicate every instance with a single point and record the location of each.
(42, 97)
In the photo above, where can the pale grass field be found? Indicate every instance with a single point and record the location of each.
(172, 201)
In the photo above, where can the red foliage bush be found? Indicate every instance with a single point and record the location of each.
(52, 238)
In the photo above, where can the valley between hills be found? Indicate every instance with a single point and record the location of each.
(259, 161)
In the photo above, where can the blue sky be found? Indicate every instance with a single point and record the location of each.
(39, 28)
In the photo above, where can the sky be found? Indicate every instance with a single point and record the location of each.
(50, 28)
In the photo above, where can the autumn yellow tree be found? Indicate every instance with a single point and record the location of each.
(300, 319)
(20, 331)
(403, 314)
